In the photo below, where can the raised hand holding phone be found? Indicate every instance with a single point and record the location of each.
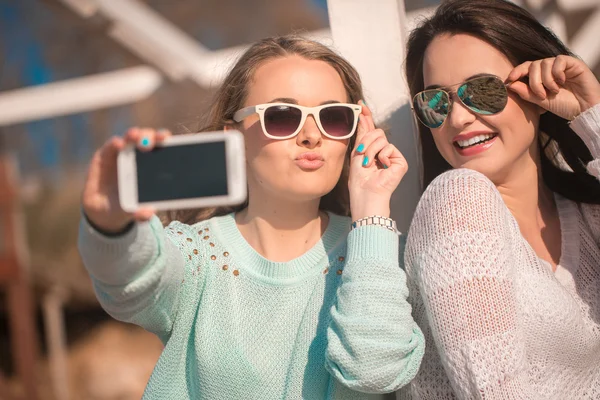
(100, 199)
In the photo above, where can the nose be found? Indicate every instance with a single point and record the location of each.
(460, 116)
(309, 135)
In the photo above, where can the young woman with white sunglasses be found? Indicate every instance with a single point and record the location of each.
(281, 297)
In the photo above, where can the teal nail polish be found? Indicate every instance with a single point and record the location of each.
(145, 142)
(385, 166)
(365, 161)
(361, 148)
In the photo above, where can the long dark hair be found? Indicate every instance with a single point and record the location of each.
(516, 33)
(231, 96)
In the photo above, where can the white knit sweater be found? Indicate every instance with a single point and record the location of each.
(498, 323)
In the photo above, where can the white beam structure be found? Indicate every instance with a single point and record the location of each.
(78, 95)
(372, 37)
(150, 36)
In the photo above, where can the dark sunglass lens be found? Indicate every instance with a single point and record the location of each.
(282, 120)
(337, 121)
(432, 107)
(486, 95)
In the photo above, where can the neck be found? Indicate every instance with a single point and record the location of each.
(527, 197)
(281, 230)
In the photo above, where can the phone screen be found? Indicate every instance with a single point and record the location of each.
(182, 172)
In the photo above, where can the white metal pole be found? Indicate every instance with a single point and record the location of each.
(373, 37)
(78, 95)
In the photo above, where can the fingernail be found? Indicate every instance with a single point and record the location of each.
(145, 142)
(360, 148)
(365, 161)
(385, 166)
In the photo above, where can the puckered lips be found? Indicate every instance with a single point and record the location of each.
(310, 161)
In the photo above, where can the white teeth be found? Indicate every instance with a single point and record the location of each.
(474, 140)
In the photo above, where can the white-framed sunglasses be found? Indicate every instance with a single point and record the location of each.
(284, 121)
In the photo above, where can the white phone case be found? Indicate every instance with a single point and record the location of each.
(236, 173)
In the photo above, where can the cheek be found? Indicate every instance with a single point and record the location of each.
(338, 151)
(443, 141)
(518, 122)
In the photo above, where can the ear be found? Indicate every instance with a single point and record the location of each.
(227, 128)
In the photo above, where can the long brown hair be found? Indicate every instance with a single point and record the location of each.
(516, 33)
(231, 96)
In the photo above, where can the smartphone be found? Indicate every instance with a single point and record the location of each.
(197, 170)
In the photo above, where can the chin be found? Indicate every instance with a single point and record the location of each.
(308, 191)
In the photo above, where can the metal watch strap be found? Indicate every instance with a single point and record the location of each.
(385, 222)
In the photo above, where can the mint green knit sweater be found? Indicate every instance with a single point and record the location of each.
(331, 324)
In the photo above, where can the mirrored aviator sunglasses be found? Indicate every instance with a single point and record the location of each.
(484, 95)
(284, 121)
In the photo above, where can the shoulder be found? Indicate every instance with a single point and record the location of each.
(460, 201)
(462, 182)
(462, 227)
(460, 190)
(191, 238)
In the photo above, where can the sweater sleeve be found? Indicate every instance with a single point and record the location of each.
(587, 127)
(137, 276)
(461, 251)
(374, 345)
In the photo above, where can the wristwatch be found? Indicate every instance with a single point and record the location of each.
(387, 223)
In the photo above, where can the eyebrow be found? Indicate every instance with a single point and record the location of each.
(446, 87)
(294, 101)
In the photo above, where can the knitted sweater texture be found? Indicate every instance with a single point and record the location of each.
(498, 322)
(332, 324)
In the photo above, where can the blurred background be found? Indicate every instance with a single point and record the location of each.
(75, 72)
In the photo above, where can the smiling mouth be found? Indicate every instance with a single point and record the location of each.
(474, 141)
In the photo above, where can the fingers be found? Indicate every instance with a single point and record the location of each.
(372, 152)
(525, 92)
(535, 80)
(364, 146)
(366, 111)
(544, 77)
(143, 214)
(112, 147)
(399, 165)
(365, 121)
(145, 138)
(519, 72)
(547, 75)
(390, 156)
(558, 69)
(548, 78)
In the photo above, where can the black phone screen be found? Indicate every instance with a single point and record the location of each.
(182, 172)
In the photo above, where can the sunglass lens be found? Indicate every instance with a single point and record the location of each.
(432, 107)
(282, 120)
(337, 121)
(485, 95)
